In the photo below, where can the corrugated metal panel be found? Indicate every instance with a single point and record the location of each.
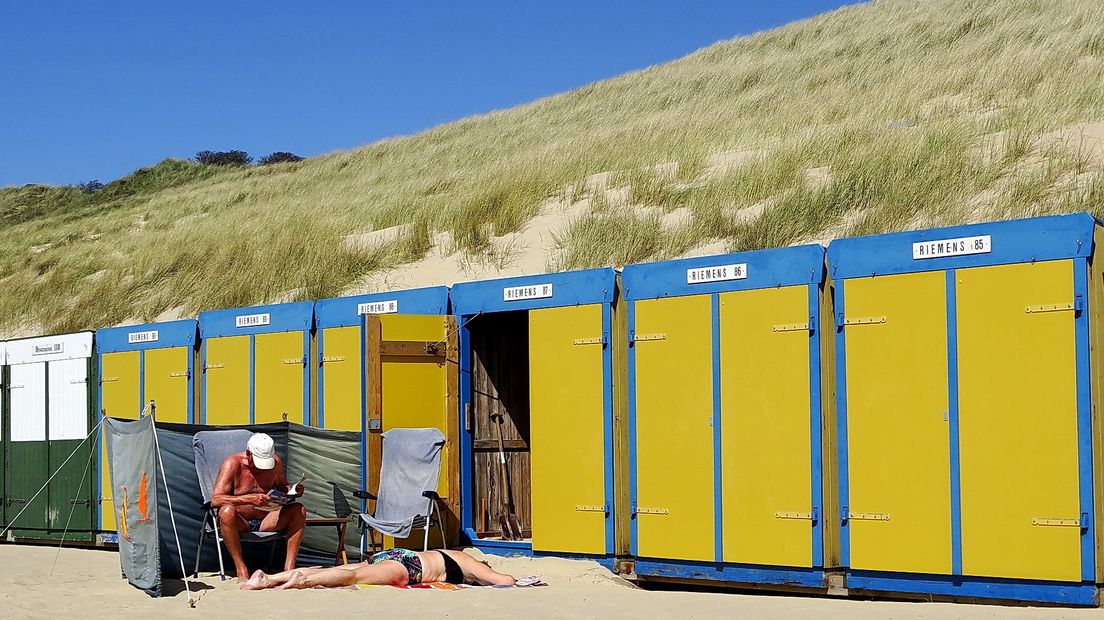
(68, 399)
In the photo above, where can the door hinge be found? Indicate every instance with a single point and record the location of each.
(212, 366)
(596, 340)
(302, 361)
(1083, 522)
(333, 358)
(102, 381)
(809, 326)
(603, 508)
(861, 320)
(180, 374)
(794, 515)
(652, 511)
(85, 502)
(77, 381)
(1040, 308)
(647, 337)
(867, 516)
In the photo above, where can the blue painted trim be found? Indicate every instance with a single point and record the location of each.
(718, 474)
(607, 422)
(765, 269)
(342, 311)
(283, 318)
(99, 448)
(191, 385)
(203, 382)
(953, 423)
(252, 378)
(169, 334)
(977, 587)
(815, 435)
(634, 545)
(1084, 421)
(141, 382)
(572, 288)
(467, 471)
(1016, 241)
(731, 573)
(306, 378)
(841, 426)
(317, 361)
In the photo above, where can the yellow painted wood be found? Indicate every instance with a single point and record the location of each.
(766, 457)
(1018, 422)
(674, 432)
(166, 382)
(414, 389)
(898, 443)
(278, 377)
(567, 440)
(227, 380)
(120, 396)
(341, 393)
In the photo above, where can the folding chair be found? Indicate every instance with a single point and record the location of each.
(210, 449)
(407, 499)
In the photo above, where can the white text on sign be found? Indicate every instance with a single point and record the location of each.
(963, 246)
(535, 291)
(390, 306)
(253, 320)
(140, 337)
(48, 349)
(719, 273)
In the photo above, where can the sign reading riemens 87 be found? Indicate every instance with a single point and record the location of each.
(962, 246)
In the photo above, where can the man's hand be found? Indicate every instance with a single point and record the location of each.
(258, 499)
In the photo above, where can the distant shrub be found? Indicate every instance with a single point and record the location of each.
(224, 158)
(90, 187)
(279, 157)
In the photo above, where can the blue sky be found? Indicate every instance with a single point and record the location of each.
(94, 90)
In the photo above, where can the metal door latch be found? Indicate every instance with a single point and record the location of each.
(867, 516)
(604, 508)
(652, 511)
(647, 337)
(596, 340)
(333, 358)
(211, 366)
(181, 374)
(863, 320)
(292, 360)
(813, 516)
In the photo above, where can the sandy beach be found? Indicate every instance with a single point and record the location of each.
(85, 583)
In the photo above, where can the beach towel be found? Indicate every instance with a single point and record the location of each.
(411, 465)
(521, 582)
(132, 462)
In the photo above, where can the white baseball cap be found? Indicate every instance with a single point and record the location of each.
(263, 451)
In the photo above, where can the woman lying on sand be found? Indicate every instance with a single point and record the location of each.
(395, 567)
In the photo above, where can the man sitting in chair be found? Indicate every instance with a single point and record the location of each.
(241, 495)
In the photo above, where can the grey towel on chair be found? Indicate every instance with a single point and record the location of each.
(411, 465)
(211, 449)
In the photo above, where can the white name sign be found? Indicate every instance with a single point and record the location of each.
(140, 337)
(253, 320)
(719, 273)
(535, 291)
(961, 246)
(48, 349)
(378, 307)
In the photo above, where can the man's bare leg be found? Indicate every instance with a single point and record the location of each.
(259, 580)
(231, 525)
(293, 519)
(474, 569)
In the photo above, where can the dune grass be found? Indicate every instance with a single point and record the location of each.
(877, 117)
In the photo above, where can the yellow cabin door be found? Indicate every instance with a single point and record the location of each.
(1018, 421)
(898, 445)
(415, 395)
(278, 383)
(120, 397)
(567, 429)
(166, 382)
(341, 374)
(766, 427)
(674, 432)
(226, 380)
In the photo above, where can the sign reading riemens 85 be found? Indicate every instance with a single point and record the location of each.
(962, 246)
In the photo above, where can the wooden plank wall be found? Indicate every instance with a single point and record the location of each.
(500, 384)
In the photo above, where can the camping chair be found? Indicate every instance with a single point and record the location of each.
(211, 448)
(407, 499)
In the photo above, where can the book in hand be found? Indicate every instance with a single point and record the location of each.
(276, 500)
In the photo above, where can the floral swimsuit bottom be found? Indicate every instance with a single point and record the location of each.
(409, 559)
